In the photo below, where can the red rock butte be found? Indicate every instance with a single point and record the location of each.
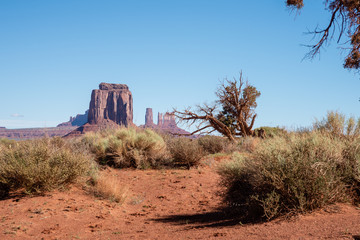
(166, 123)
(111, 102)
(110, 106)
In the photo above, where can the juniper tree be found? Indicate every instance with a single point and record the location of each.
(232, 115)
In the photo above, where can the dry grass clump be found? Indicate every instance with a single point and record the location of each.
(271, 131)
(338, 125)
(108, 186)
(291, 174)
(216, 144)
(127, 147)
(6, 142)
(41, 165)
(249, 144)
(184, 151)
(213, 144)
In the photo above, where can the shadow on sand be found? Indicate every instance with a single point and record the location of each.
(218, 218)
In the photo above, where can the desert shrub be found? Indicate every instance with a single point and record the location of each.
(184, 151)
(7, 142)
(212, 144)
(215, 144)
(42, 165)
(249, 144)
(127, 147)
(290, 174)
(338, 125)
(271, 131)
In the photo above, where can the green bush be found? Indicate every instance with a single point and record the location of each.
(292, 173)
(213, 144)
(184, 151)
(41, 165)
(127, 147)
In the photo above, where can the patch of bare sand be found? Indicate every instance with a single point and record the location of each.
(160, 204)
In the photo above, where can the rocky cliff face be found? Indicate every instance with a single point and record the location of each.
(160, 119)
(166, 123)
(79, 120)
(169, 120)
(111, 102)
(149, 117)
(111, 106)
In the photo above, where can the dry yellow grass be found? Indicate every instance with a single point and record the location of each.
(250, 143)
(106, 185)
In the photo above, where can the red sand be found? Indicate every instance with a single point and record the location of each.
(160, 204)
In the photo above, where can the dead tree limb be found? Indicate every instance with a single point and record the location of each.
(232, 115)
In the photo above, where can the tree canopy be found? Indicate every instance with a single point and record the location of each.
(345, 16)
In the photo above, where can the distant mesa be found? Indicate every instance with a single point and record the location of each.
(31, 133)
(166, 123)
(110, 106)
(111, 102)
(149, 122)
(160, 119)
(78, 120)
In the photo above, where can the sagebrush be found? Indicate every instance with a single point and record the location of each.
(338, 125)
(213, 144)
(41, 165)
(184, 151)
(127, 147)
(292, 173)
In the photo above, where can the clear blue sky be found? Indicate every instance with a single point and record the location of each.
(170, 54)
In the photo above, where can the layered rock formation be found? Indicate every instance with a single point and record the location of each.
(111, 106)
(32, 133)
(169, 120)
(111, 102)
(160, 119)
(79, 120)
(149, 122)
(166, 123)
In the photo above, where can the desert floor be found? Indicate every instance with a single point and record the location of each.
(160, 204)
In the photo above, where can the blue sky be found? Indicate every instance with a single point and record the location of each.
(170, 54)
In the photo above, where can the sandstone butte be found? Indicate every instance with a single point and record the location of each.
(166, 123)
(110, 106)
(112, 102)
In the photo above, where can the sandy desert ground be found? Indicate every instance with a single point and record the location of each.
(160, 204)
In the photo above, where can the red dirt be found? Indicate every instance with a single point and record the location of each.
(160, 204)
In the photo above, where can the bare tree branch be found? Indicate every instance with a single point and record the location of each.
(325, 35)
(346, 15)
(236, 118)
